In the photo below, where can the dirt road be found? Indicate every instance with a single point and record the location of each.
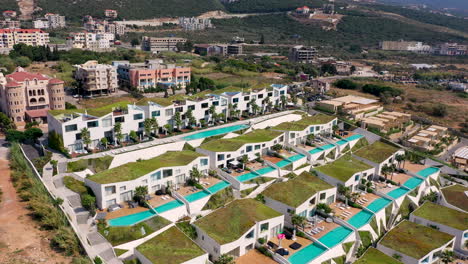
(21, 241)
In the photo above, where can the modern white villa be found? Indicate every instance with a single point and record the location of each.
(378, 154)
(415, 244)
(299, 195)
(445, 219)
(101, 121)
(235, 228)
(117, 185)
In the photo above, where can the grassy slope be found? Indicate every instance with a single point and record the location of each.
(250, 6)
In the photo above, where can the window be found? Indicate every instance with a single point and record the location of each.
(169, 112)
(322, 196)
(203, 162)
(257, 147)
(246, 98)
(93, 124)
(250, 234)
(334, 122)
(78, 136)
(303, 213)
(109, 190)
(141, 125)
(216, 103)
(293, 135)
(191, 107)
(207, 112)
(249, 149)
(119, 119)
(155, 113)
(71, 128)
(167, 173)
(264, 227)
(107, 122)
(144, 181)
(260, 96)
(179, 109)
(356, 178)
(263, 145)
(204, 105)
(235, 100)
(311, 129)
(137, 116)
(281, 92)
(155, 176)
(270, 94)
(312, 201)
(220, 157)
(123, 188)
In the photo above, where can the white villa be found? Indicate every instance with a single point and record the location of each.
(378, 154)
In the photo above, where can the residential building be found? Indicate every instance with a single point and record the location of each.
(234, 49)
(451, 49)
(302, 54)
(152, 73)
(171, 244)
(446, 220)
(387, 121)
(110, 13)
(32, 37)
(347, 171)
(460, 158)
(458, 87)
(8, 23)
(455, 197)
(320, 86)
(9, 14)
(194, 23)
(218, 49)
(41, 23)
(299, 195)
(91, 41)
(430, 243)
(50, 21)
(103, 26)
(28, 96)
(355, 107)
(427, 138)
(68, 123)
(95, 78)
(235, 228)
(402, 45)
(117, 185)
(303, 10)
(378, 154)
(224, 151)
(297, 132)
(157, 45)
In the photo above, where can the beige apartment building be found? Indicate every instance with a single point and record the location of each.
(28, 96)
(95, 78)
(32, 37)
(386, 121)
(355, 107)
(161, 44)
(427, 138)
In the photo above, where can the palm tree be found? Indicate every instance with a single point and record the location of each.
(118, 132)
(446, 256)
(148, 125)
(298, 220)
(385, 170)
(283, 101)
(85, 136)
(212, 111)
(140, 193)
(168, 128)
(253, 106)
(399, 158)
(195, 174)
(191, 119)
(178, 120)
(154, 126)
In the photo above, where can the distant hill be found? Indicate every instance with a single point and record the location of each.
(459, 6)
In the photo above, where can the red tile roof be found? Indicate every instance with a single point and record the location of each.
(12, 84)
(37, 113)
(9, 11)
(55, 81)
(11, 30)
(21, 76)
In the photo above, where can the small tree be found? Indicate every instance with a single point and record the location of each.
(225, 259)
(400, 158)
(85, 136)
(178, 120)
(148, 126)
(446, 256)
(195, 174)
(168, 128)
(104, 142)
(277, 147)
(244, 159)
(385, 170)
(212, 111)
(118, 132)
(283, 101)
(154, 126)
(33, 133)
(133, 135)
(140, 193)
(191, 119)
(298, 220)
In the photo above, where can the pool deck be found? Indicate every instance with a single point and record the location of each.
(254, 257)
(155, 201)
(286, 242)
(272, 159)
(286, 153)
(370, 197)
(413, 167)
(400, 178)
(187, 190)
(340, 213)
(327, 228)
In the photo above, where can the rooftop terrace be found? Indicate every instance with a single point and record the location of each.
(414, 240)
(377, 152)
(134, 170)
(343, 168)
(443, 215)
(227, 224)
(375, 256)
(233, 144)
(456, 196)
(97, 112)
(296, 191)
(170, 247)
(305, 122)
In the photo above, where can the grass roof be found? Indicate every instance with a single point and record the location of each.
(297, 190)
(233, 144)
(228, 224)
(98, 112)
(375, 256)
(134, 170)
(377, 152)
(170, 247)
(455, 195)
(414, 240)
(343, 168)
(305, 122)
(443, 215)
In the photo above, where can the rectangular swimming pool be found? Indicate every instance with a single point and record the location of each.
(315, 150)
(397, 193)
(427, 172)
(379, 204)
(218, 187)
(413, 183)
(360, 219)
(335, 236)
(354, 137)
(328, 146)
(265, 170)
(215, 132)
(283, 163)
(197, 196)
(247, 176)
(307, 254)
(342, 142)
(296, 157)
(141, 216)
(168, 206)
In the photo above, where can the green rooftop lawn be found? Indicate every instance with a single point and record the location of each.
(118, 235)
(134, 170)
(376, 152)
(228, 224)
(455, 195)
(97, 164)
(305, 122)
(443, 215)
(98, 112)
(170, 247)
(233, 144)
(375, 256)
(297, 190)
(343, 168)
(414, 240)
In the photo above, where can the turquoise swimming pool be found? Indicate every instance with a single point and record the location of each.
(296, 157)
(360, 219)
(335, 236)
(427, 172)
(218, 187)
(328, 146)
(307, 254)
(378, 204)
(247, 176)
(354, 137)
(168, 206)
(265, 170)
(342, 142)
(215, 132)
(283, 163)
(397, 193)
(315, 150)
(197, 196)
(413, 183)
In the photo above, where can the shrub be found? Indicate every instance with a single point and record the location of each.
(346, 84)
(188, 229)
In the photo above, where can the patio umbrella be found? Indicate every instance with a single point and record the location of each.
(280, 236)
(234, 162)
(294, 235)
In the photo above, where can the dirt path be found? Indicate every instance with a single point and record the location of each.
(27, 8)
(21, 241)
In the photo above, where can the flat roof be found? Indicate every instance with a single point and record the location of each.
(135, 170)
(305, 122)
(375, 256)
(233, 144)
(343, 168)
(97, 112)
(229, 223)
(170, 247)
(377, 152)
(456, 195)
(296, 191)
(443, 215)
(414, 240)
(461, 153)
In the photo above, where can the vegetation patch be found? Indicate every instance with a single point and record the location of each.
(374, 226)
(246, 192)
(455, 196)
(443, 215)
(340, 259)
(75, 185)
(375, 256)
(96, 164)
(188, 229)
(366, 238)
(406, 208)
(305, 122)
(376, 152)
(232, 144)
(343, 168)
(219, 199)
(347, 246)
(119, 251)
